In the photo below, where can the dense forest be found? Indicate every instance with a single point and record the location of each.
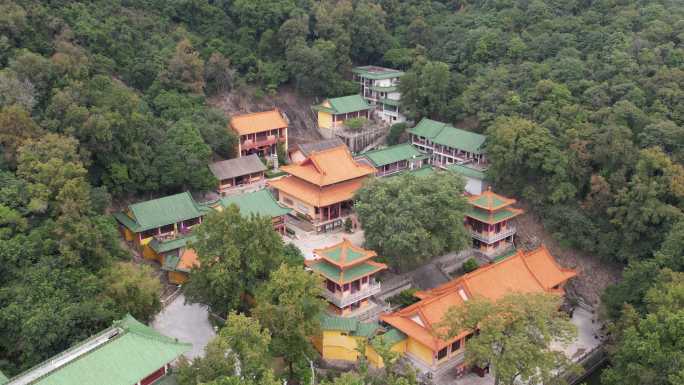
(583, 102)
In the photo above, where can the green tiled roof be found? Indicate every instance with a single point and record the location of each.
(497, 216)
(171, 262)
(349, 324)
(334, 273)
(448, 135)
(3, 379)
(173, 244)
(346, 104)
(258, 203)
(331, 322)
(377, 73)
(384, 88)
(390, 102)
(336, 254)
(124, 359)
(467, 171)
(393, 336)
(394, 154)
(161, 212)
(427, 128)
(488, 200)
(366, 329)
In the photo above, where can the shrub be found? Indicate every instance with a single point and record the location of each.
(470, 265)
(404, 298)
(396, 132)
(348, 225)
(355, 124)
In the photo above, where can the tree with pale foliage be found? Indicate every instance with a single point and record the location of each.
(239, 355)
(185, 69)
(134, 289)
(513, 336)
(290, 305)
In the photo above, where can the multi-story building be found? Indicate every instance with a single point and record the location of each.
(238, 172)
(128, 353)
(394, 159)
(260, 132)
(489, 222)
(163, 219)
(321, 188)
(447, 144)
(380, 87)
(349, 275)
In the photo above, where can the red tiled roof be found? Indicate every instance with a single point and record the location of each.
(329, 166)
(257, 122)
(525, 272)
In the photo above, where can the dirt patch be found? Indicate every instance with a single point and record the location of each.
(594, 274)
(296, 107)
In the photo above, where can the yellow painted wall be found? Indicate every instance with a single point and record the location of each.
(128, 234)
(419, 351)
(325, 119)
(336, 346)
(148, 253)
(333, 345)
(177, 278)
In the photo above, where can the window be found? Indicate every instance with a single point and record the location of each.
(441, 354)
(456, 346)
(148, 233)
(346, 287)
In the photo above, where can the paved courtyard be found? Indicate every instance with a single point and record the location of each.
(188, 323)
(307, 242)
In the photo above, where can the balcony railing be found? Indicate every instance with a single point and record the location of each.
(493, 237)
(373, 288)
(250, 144)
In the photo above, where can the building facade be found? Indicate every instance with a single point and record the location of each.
(239, 172)
(260, 132)
(348, 274)
(489, 220)
(321, 188)
(447, 144)
(394, 159)
(380, 87)
(128, 353)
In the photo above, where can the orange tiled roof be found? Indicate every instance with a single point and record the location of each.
(329, 166)
(257, 122)
(314, 195)
(491, 201)
(344, 254)
(188, 259)
(531, 272)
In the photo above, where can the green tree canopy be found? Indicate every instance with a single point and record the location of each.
(408, 219)
(513, 335)
(236, 254)
(289, 305)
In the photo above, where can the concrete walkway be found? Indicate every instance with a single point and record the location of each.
(188, 323)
